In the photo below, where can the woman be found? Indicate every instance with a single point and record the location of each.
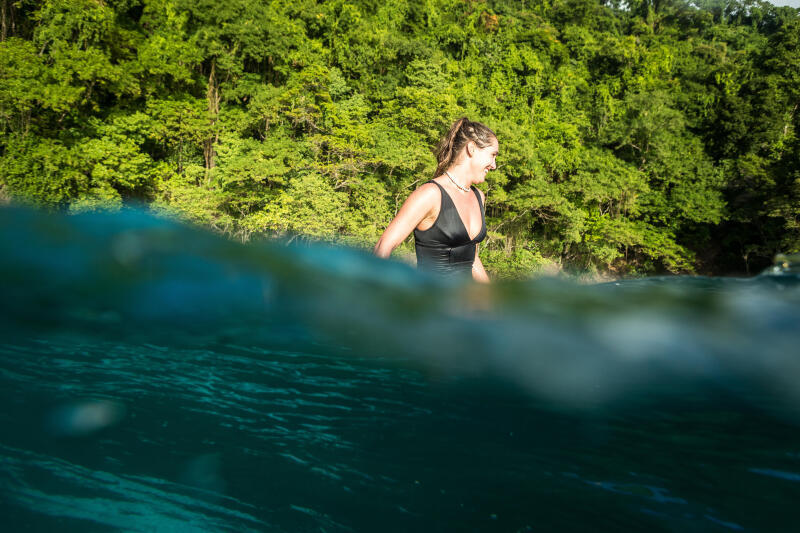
(447, 213)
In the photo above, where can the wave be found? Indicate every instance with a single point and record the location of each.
(135, 276)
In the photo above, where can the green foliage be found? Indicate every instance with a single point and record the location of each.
(657, 138)
(92, 173)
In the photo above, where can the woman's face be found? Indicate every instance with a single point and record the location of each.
(483, 159)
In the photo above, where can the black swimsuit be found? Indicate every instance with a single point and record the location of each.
(445, 247)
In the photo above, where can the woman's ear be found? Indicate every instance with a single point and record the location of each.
(470, 148)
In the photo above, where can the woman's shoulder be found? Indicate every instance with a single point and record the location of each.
(427, 195)
(430, 184)
(428, 190)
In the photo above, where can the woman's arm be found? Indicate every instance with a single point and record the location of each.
(418, 206)
(478, 272)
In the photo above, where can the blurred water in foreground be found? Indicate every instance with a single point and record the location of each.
(157, 378)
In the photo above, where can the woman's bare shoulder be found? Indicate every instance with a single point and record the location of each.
(427, 186)
(422, 203)
(427, 192)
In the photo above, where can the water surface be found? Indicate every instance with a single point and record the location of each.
(157, 378)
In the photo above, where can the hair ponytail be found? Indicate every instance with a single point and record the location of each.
(461, 132)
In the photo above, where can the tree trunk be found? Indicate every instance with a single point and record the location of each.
(213, 110)
(4, 20)
(791, 119)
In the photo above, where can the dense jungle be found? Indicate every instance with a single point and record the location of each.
(638, 138)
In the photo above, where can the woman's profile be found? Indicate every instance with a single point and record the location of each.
(447, 213)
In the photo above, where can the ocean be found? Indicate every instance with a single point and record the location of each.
(155, 377)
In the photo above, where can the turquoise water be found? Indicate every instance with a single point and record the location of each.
(156, 378)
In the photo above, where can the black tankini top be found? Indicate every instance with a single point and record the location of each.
(445, 247)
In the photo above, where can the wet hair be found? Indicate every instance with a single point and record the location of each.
(461, 132)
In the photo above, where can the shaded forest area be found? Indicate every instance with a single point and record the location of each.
(635, 138)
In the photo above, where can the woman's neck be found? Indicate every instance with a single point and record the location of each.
(459, 178)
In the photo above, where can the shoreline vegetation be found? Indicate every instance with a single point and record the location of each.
(639, 138)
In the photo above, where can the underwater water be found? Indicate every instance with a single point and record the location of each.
(157, 378)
